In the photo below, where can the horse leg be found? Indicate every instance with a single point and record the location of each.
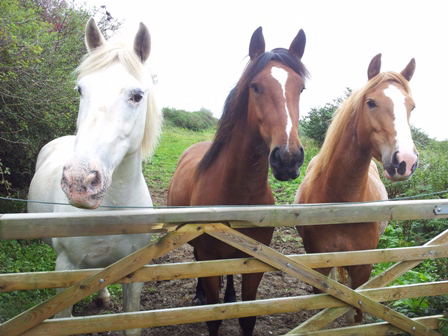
(358, 275)
(211, 288)
(63, 264)
(131, 296)
(230, 295)
(103, 298)
(249, 289)
(199, 298)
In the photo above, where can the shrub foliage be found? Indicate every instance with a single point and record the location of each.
(194, 121)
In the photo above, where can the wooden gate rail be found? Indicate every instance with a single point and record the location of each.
(99, 280)
(327, 316)
(44, 225)
(196, 269)
(173, 316)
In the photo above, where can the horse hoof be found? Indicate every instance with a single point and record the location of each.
(198, 301)
(103, 303)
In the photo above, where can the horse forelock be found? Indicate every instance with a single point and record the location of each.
(109, 53)
(236, 105)
(344, 114)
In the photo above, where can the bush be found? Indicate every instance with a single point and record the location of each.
(42, 42)
(194, 121)
(317, 121)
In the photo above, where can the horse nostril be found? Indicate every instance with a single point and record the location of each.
(301, 156)
(94, 179)
(395, 162)
(276, 156)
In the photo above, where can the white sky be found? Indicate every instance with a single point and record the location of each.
(199, 48)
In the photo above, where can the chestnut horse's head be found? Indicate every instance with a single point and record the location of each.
(386, 109)
(275, 81)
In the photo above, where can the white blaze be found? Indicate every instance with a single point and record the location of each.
(403, 137)
(281, 75)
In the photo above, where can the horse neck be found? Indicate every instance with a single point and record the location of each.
(246, 163)
(126, 182)
(346, 176)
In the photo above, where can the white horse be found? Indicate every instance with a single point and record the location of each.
(118, 124)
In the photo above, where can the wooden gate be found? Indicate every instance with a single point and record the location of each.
(185, 224)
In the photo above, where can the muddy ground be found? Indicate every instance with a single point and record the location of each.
(179, 293)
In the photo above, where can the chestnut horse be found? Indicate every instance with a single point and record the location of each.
(258, 128)
(372, 123)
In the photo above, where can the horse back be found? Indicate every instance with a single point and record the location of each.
(184, 178)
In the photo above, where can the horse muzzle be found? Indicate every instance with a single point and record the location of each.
(401, 166)
(285, 164)
(84, 185)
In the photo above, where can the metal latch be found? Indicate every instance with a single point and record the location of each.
(441, 210)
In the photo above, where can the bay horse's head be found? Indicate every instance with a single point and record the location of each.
(117, 116)
(275, 81)
(387, 106)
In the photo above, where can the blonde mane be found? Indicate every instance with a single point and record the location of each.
(342, 117)
(109, 53)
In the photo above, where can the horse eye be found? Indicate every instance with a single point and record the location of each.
(302, 89)
(79, 91)
(371, 104)
(255, 88)
(413, 108)
(136, 98)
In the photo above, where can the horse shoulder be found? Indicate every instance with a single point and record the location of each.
(46, 183)
(378, 191)
(183, 181)
(301, 191)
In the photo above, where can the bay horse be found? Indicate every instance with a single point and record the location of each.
(118, 124)
(258, 128)
(372, 123)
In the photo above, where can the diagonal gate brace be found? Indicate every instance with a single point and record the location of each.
(314, 278)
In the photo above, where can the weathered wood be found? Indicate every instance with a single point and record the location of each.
(43, 225)
(326, 316)
(374, 329)
(172, 316)
(99, 280)
(278, 260)
(61, 279)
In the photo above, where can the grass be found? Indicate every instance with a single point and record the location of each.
(159, 170)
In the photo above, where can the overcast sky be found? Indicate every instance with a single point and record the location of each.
(199, 48)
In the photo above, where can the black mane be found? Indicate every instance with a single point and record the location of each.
(236, 104)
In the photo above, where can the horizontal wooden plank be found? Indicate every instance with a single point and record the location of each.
(60, 279)
(172, 316)
(374, 329)
(44, 225)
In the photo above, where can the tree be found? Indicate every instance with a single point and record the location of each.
(41, 44)
(317, 121)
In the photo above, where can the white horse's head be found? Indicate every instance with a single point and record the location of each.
(117, 115)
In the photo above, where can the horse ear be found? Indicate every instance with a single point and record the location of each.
(374, 67)
(408, 72)
(142, 43)
(297, 46)
(257, 45)
(94, 38)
